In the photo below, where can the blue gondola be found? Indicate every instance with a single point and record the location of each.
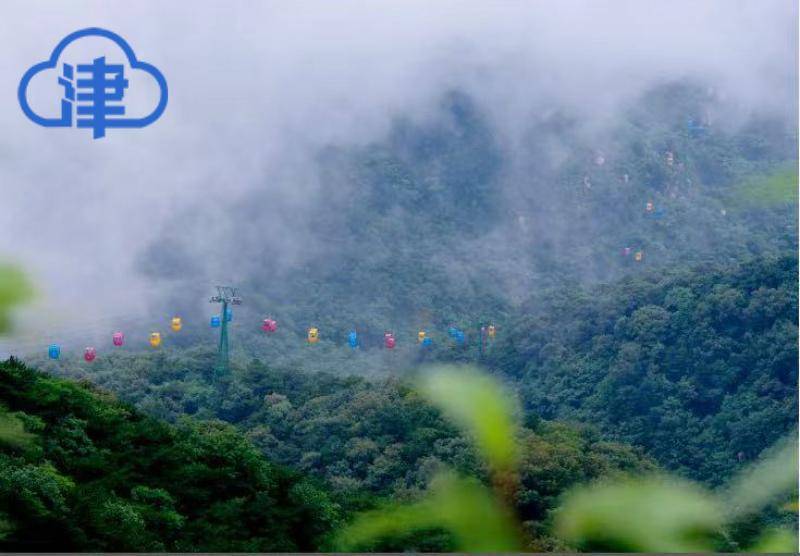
(352, 339)
(427, 342)
(229, 315)
(457, 334)
(54, 351)
(215, 322)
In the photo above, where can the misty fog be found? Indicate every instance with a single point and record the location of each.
(259, 91)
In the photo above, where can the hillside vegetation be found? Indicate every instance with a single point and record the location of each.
(84, 472)
(697, 366)
(441, 224)
(92, 474)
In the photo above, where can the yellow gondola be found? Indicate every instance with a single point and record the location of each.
(638, 256)
(421, 336)
(313, 335)
(176, 324)
(155, 339)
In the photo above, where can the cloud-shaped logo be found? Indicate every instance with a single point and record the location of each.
(93, 92)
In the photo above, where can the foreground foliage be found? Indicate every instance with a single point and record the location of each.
(646, 513)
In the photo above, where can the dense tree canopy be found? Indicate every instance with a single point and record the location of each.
(697, 366)
(97, 475)
(86, 472)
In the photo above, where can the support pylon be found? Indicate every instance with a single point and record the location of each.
(226, 295)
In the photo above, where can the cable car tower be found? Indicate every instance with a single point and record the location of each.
(227, 295)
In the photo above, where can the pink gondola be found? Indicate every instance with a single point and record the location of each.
(269, 326)
(89, 354)
(118, 338)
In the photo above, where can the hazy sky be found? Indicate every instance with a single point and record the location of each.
(256, 88)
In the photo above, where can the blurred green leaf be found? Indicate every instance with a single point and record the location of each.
(475, 517)
(14, 289)
(476, 403)
(461, 506)
(774, 476)
(654, 514)
(776, 541)
(659, 514)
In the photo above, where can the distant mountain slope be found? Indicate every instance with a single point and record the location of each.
(697, 366)
(443, 222)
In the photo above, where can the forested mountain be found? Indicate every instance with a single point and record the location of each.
(443, 223)
(643, 282)
(698, 366)
(87, 473)
(83, 472)
(686, 352)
